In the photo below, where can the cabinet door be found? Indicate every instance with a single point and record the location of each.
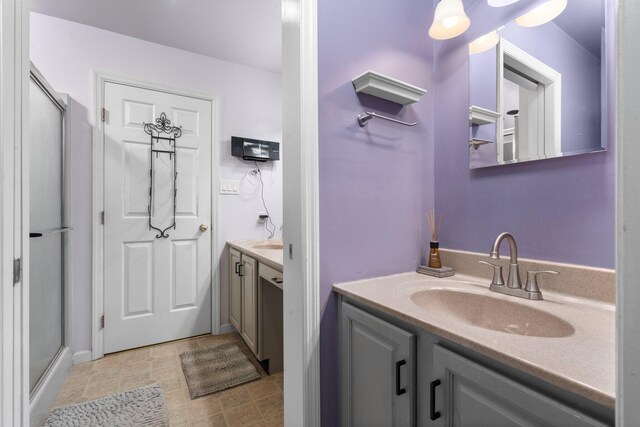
(472, 395)
(235, 290)
(377, 371)
(250, 303)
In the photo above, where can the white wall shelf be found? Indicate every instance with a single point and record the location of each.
(388, 88)
(482, 116)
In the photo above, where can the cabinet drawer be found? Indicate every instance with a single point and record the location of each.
(270, 274)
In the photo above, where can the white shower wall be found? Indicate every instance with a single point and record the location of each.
(250, 105)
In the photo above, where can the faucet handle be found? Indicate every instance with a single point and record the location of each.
(497, 273)
(532, 279)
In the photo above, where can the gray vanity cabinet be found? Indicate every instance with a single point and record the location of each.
(468, 394)
(445, 384)
(377, 371)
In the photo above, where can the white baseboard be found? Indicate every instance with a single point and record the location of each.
(227, 328)
(81, 357)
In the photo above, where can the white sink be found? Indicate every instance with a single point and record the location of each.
(497, 314)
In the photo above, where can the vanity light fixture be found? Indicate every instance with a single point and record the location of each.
(484, 42)
(500, 3)
(449, 20)
(542, 14)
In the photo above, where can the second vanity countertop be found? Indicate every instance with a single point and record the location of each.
(271, 257)
(583, 363)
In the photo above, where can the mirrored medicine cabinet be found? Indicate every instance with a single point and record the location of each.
(540, 92)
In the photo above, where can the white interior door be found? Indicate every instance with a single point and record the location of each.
(156, 289)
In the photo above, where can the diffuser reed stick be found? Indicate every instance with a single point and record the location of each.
(435, 231)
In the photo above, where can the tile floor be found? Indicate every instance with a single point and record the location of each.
(258, 403)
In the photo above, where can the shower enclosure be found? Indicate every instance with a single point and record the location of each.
(49, 355)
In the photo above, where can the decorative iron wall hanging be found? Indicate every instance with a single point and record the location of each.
(162, 127)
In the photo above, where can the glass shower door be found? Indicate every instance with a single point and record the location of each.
(47, 232)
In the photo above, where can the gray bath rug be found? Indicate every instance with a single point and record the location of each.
(216, 368)
(142, 406)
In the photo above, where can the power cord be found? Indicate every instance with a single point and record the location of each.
(271, 230)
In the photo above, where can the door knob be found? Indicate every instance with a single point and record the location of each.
(204, 227)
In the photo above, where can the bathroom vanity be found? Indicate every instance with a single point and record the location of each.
(416, 350)
(255, 298)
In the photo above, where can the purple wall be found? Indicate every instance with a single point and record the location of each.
(560, 209)
(375, 182)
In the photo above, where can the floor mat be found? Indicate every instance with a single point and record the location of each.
(216, 368)
(142, 406)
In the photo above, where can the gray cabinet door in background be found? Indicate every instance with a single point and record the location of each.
(472, 395)
(377, 371)
(235, 290)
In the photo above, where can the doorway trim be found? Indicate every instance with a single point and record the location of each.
(301, 314)
(627, 60)
(100, 78)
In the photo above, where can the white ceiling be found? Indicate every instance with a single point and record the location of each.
(246, 32)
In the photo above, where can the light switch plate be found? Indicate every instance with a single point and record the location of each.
(229, 186)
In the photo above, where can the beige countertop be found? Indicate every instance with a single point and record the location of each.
(270, 257)
(583, 362)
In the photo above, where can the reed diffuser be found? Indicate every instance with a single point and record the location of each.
(433, 260)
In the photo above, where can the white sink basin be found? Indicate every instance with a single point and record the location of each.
(270, 246)
(485, 311)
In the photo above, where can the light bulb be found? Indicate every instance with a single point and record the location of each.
(449, 20)
(542, 14)
(484, 42)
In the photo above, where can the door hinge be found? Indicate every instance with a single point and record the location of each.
(17, 270)
(102, 322)
(104, 114)
(102, 217)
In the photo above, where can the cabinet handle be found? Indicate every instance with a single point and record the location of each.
(237, 268)
(240, 268)
(433, 414)
(399, 364)
(276, 280)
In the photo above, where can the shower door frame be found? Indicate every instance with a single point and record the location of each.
(46, 389)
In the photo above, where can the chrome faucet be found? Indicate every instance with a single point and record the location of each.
(514, 284)
(513, 281)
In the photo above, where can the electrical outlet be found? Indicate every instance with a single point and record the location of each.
(229, 186)
(262, 217)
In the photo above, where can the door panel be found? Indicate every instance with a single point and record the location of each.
(473, 395)
(377, 371)
(235, 290)
(138, 279)
(156, 289)
(136, 170)
(250, 303)
(187, 182)
(184, 283)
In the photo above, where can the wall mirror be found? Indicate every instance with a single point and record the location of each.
(539, 92)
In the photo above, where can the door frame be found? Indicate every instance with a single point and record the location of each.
(627, 59)
(14, 217)
(301, 300)
(100, 78)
